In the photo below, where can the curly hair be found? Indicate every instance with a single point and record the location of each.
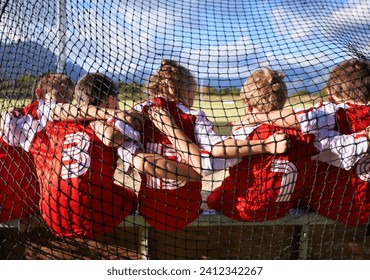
(265, 90)
(350, 80)
(172, 80)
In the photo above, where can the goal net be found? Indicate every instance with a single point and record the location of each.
(188, 165)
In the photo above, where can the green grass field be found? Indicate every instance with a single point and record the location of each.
(5, 104)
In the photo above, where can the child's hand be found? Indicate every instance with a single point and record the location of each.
(246, 120)
(278, 143)
(162, 120)
(131, 117)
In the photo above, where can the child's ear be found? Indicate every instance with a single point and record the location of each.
(40, 94)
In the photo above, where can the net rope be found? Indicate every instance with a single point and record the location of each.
(69, 194)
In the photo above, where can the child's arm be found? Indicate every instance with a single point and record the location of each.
(154, 164)
(2, 121)
(341, 150)
(189, 150)
(157, 166)
(307, 120)
(114, 132)
(283, 118)
(85, 112)
(233, 148)
(19, 130)
(108, 133)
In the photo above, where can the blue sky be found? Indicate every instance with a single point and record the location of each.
(218, 40)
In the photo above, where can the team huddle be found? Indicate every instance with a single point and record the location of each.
(59, 157)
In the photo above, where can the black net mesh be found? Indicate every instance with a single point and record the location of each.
(72, 187)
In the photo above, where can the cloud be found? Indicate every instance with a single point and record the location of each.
(291, 26)
(20, 23)
(222, 48)
(225, 40)
(352, 12)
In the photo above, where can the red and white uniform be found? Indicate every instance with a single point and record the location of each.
(343, 194)
(332, 115)
(76, 174)
(19, 188)
(78, 194)
(326, 121)
(168, 204)
(20, 194)
(265, 187)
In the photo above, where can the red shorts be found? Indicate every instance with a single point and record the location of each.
(87, 211)
(19, 188)
(170, 210)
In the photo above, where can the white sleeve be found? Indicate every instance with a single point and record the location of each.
(211, 164)
(126, 152)
(20, 130)
(243, 132)
(340, 150)
(205, 137)
(127, 130)
(45, 111)
(314, 119)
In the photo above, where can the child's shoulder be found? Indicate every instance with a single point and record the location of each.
(243, 132)
(323, 107)
(189, 111)
(140, 105)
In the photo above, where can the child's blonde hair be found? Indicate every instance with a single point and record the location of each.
(350, 80)
(172, 80)
(265, 90)
(59, 86)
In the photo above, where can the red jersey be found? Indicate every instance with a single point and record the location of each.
(343, 195)
(76, 174)
(78, 194)
(19, 188)
(167, 204)
(265, 187)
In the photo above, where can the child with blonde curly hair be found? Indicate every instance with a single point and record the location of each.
(265, 187)
(171, 128)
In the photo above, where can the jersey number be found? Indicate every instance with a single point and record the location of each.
(75, 156)
(363, 168)
(289, 179)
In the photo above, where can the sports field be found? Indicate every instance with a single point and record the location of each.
(219, 109)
